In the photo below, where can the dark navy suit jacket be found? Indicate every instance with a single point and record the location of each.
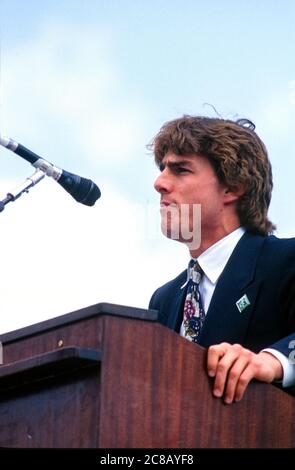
(263, 268)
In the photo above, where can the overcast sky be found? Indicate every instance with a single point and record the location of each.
(87, 84)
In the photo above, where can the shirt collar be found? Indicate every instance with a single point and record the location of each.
(214, 259)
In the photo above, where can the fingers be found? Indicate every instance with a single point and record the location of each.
(232, 369)
(215, 353)
(239, 377)
(242, 383)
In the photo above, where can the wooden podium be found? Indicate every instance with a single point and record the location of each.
(109, 376)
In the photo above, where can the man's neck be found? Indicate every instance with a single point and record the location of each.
(207, 242)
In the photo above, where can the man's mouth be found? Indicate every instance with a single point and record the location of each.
(165, 203)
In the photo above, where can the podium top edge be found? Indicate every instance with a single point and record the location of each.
(98, 309)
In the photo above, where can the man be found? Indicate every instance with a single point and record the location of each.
(239, 300)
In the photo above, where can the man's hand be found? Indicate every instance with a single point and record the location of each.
(234, 367)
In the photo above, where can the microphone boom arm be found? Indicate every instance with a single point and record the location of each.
(29, 182)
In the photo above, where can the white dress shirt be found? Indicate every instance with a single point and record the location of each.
(212, 262)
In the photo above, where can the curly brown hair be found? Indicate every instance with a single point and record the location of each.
(237, 155)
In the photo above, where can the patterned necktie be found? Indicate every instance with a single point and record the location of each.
(193, 314)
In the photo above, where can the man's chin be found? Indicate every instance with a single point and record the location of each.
(172, 232)
(169, 232)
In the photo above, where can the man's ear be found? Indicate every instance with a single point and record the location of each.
(231, 195)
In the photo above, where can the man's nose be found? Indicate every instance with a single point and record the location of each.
(162, 184)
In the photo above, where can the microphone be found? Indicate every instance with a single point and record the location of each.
(81, 189)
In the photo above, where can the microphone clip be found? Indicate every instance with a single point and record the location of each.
(48, 168)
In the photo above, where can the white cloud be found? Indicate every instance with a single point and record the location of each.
(64, 84)
(276, 114)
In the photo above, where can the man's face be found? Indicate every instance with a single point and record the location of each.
(187, 183)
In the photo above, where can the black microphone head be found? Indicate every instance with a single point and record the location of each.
(82, 189)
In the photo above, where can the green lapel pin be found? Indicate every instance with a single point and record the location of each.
(243, 303)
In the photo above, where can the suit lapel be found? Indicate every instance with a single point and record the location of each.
(224, 321)
(171, 311)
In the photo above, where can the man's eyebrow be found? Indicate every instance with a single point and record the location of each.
(175, 164)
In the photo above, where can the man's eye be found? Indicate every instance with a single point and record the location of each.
(182, 170)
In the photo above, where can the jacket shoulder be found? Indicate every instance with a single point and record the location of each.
(280, 248)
